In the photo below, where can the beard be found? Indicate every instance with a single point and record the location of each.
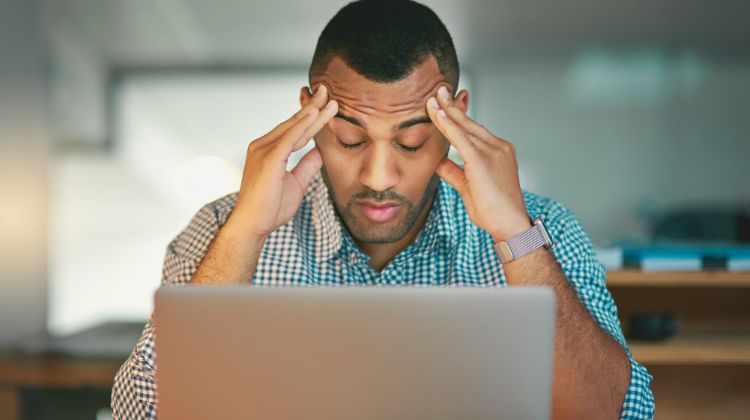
(365, 231)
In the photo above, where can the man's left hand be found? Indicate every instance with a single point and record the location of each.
(488, 182)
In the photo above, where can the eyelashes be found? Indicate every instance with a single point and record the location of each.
(349, 146)
(354, 146)
(409, 149)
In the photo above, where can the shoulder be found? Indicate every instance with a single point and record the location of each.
(221, 208)
(546, 208)
(567, 233)
(192, 242)
(557, 217)
(572, 243)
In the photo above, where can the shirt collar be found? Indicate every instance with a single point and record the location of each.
(321, 232)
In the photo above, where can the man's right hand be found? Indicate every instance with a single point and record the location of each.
(269, 195)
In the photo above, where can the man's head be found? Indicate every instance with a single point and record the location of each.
(385, 40)
(381, 60)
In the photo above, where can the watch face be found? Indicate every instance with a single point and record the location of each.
(543, 230)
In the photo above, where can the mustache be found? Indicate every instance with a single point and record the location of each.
(380, 196)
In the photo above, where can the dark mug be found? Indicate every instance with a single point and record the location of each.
(652, 326)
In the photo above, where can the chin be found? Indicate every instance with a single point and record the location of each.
(377, 233)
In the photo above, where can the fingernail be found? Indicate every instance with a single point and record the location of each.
(442, 113)
(321, 88)
(442, 91)
(432, 102)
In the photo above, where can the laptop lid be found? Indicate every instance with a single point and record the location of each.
(244, 352)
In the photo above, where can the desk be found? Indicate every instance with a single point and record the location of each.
(76, 363)
(18, 371)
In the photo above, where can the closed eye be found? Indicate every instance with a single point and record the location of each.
(351, 146)
(356, 145)
(409, 149)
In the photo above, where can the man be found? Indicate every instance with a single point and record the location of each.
(378, 202)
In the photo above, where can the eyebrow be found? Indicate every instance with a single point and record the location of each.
(400, 126)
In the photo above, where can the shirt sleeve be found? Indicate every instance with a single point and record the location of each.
(587, 275)
(134, 394)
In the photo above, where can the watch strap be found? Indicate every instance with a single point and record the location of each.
(524, 243)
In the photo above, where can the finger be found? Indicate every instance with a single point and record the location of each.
(459, 117)
(283, 145)
(319, 99)
(325, 115)
(307, 167)
(455, 135)
(452, 174)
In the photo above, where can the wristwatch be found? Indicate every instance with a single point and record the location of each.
(524, 243)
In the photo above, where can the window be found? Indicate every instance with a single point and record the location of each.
(179, 141)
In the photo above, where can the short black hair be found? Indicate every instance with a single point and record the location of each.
(385, 40)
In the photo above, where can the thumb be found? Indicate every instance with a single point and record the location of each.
(307, 167)
(452, 174)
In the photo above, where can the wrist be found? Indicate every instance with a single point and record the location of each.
(240, 230)
(524, 243)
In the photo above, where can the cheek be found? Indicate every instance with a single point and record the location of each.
(436, 149)
(342, 169)
(334, 156)
(419, 175)
(419, 170)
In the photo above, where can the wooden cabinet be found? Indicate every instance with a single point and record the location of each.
(701, 372)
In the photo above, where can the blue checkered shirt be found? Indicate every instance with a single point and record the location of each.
(315, 249)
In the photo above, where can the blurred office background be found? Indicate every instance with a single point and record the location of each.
(119, 119)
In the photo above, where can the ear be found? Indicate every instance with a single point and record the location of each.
(461, 101)
(305, 95)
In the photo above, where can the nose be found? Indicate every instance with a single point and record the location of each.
(380, 171)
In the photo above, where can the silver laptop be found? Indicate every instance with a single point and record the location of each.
(243, 352)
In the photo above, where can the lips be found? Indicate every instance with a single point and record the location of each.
(380, 212)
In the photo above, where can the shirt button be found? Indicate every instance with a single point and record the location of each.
(352, 258)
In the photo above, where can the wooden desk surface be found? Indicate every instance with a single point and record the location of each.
(56, 371)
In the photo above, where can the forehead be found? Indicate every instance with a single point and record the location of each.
(358, 95)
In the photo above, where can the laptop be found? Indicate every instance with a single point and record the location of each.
(335, 353)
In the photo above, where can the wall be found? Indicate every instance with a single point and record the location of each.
(619, 135)
(23, 186)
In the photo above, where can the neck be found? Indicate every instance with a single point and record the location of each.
(382, 254)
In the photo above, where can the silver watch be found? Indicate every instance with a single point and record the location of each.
(524, 243)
